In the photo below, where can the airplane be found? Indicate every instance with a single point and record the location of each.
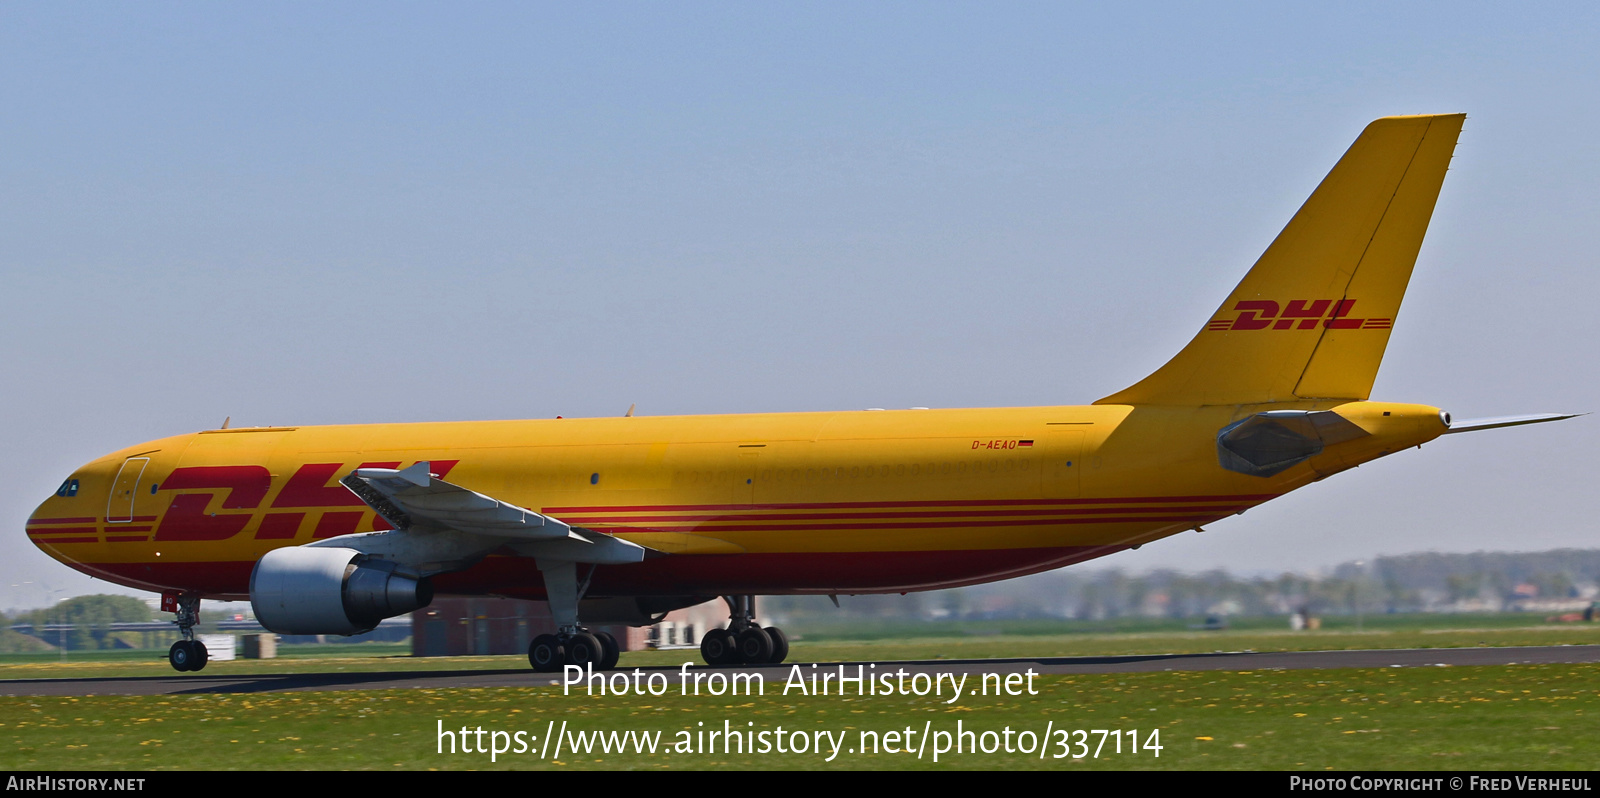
(330, 529)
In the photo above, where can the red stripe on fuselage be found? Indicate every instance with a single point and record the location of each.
(575, 518)
(88, 520)
(640, 508)
(1189, 519)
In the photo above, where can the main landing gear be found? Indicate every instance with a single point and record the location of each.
(744, 642)
(583, 648)
(572, 644)
(187, 654)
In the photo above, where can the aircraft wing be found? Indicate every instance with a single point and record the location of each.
(437, 521)
(1475, 424)
(415, 497)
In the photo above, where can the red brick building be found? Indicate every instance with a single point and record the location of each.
(454, 627)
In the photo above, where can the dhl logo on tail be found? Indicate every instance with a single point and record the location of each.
(1297, 314)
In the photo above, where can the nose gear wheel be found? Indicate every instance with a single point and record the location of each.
(188, 654)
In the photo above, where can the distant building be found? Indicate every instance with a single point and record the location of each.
(684, 628)
(455, 627)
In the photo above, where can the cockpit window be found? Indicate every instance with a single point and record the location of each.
(69, 488)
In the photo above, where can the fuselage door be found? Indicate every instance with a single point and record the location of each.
(124, 490)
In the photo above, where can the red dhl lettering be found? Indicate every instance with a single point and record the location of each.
(245, 487)
(1296, 314)
(186, 517)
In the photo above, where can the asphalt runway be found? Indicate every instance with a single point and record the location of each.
(191, 684)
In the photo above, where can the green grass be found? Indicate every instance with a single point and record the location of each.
(1417, 718)
(1512, 717)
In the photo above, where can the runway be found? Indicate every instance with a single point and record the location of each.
(200, 683)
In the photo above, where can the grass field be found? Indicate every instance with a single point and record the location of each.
(1514, 717)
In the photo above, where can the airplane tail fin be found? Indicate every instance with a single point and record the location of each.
(1312, 317)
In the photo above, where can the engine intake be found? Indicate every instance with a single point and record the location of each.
(301, 590)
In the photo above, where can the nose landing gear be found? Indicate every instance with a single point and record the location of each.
(744, 642)
(187, 654)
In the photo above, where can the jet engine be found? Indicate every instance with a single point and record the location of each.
(306, 590)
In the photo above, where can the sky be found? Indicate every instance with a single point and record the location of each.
(338, 213)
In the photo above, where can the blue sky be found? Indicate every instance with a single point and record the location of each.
(304, 213)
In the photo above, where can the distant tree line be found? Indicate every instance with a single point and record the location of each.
(90, 618)
(1405, 583)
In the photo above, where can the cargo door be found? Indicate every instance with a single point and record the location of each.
(125, 490)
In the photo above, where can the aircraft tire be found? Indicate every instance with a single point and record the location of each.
(201, 656)
(780, 645)
(612, 651)
(755, 646)
(180, 656)
(718, 648)
(546, 654)
(585, 650)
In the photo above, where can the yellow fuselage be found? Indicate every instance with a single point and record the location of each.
(846, 502)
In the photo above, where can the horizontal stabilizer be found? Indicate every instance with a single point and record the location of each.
(1475, 424)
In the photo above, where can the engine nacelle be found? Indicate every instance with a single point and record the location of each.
(301, 590)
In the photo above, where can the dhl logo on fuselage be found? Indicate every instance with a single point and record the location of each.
(244, 490)
(1297, 314)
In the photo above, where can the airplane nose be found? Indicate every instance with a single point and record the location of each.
(60, 519)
